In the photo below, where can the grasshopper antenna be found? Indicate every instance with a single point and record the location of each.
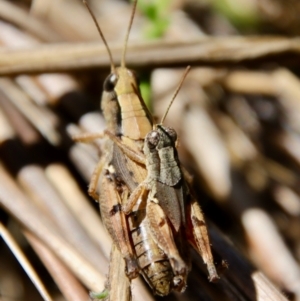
(127, 33)
(176, 92)
(112, 65)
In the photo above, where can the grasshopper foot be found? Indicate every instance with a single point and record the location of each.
(179, 283)
(213, 275)
(132, 268)
(180, 271)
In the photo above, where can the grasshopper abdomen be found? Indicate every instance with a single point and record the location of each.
(154, 264)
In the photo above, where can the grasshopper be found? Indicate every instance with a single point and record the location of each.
(171, 209)
(128, 121)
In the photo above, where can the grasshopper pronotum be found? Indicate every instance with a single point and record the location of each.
(128, 121)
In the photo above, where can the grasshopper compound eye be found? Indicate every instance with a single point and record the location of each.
(152, 139)
(171, 133)
(110, 82)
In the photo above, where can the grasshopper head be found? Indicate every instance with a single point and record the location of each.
(168, 136)
(127, 81)
(123, 107)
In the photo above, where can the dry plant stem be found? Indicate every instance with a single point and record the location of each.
(67, 24)
(84, 156)
(204, 51)
(240, 147)
(288, 91)
(289, 143)
(14, 14)
(63, 181)
(29, 85)
(18, 253)
(42, 118)
(209, 152)
(16, 121)
(258, 225)
(246, 283)
(41, 226)
(40, 7)
(48, 87)
(265, 289)
(70, 287)
(35, 183)
(93, 122)
(288, 199)
(6, 130)
(117, 285)
(250, 82)
(280, 83)
(83, 160)
(265, 244)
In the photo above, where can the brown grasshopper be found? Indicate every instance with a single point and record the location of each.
(171, 210)
(128, 121)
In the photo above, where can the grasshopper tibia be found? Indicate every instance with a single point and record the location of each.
(163, 236)
(201, 238)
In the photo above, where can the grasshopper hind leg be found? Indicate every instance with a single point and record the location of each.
(112, 195)
(200, 240)
(162, 234)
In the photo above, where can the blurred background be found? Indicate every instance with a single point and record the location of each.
(237, 116)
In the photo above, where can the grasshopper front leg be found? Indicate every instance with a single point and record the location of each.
(92, 191)
(87, 138)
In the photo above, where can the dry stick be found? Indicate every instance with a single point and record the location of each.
(265, 244)
(246, 283)
(204, 51)
(83, 160)
(14, 14)
(83, 156)
(40, 8)
(288, 91)
(250, 82)
(70, 287)
(21, 257)
(42, 118)
(210, 154)
(63, 181)
(45, 87)
(30, 86)
(15, 120)
(6, 130)
(37, 186)
(279, 264)
(288, 142)
(15, 202)
(287, 199)
(117, 285)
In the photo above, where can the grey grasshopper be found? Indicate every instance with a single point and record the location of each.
(128, 121)
(172, 213)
